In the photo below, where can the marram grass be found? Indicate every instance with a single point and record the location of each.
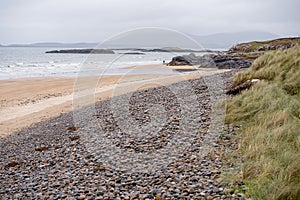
(269, 116)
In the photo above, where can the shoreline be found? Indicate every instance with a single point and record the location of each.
(43, 98)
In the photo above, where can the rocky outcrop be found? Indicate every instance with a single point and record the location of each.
(267, 47)
(179, 60)
(84, 51)
(278, 44)
(227, 61)
(132, 53)
(220, 60)
(164, 49)
(192, 59)
(243, 47)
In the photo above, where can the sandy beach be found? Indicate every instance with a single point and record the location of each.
(24, 102)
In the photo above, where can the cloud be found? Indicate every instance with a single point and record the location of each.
(93, 20)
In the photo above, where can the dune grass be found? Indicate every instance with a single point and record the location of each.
(254, 46)
(282, 41)
(269, 117)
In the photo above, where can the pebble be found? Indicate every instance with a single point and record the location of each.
(81, 197)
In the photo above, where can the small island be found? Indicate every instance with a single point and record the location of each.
(83, 51)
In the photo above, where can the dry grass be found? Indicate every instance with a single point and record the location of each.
(269, 115)
(281, 67)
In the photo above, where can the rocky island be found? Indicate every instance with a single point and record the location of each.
(83, 51)
(131, 51)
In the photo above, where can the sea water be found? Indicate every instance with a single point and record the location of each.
(25, 62)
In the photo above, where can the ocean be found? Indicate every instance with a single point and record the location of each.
(25, 62)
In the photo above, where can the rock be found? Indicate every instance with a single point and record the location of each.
(203, 194)
(76, 137)
(72, 128)
(240, 196)
(191, 191)
(44, 148)
(12, 164)
(18, 196)
(158, 196)
(192, 59)
(219, 60)
(179, 60)
(230, 61)
(277, 44)
(81, 197)
(56, 184)
(133, 53)
(268, 47)
(243, 47)
(83, 51)
(228, 191)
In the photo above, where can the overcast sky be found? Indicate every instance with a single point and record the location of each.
(94, 20)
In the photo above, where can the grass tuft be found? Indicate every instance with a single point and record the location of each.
(269, 116)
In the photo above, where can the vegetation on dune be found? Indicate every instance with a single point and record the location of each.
(256, 46)
(278, 42)
(269, 118)
(280, 67)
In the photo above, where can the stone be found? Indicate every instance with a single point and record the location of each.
(203, 194)
(12, 164)
(81, 197)
(158, 196)
(76, 137)
(192, 59)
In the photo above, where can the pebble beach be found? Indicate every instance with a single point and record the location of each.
(96, 159)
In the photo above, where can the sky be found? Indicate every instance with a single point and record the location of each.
(96, 20)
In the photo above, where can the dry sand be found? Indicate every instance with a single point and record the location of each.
(24, 102)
